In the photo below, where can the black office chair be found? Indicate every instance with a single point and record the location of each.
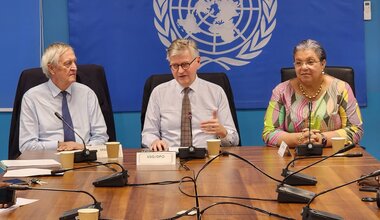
(341, 72)
(90, 74)
(220, 79)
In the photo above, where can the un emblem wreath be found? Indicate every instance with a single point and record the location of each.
(247, 50)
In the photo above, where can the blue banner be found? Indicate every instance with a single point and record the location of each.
(19, 43)
(250, 40)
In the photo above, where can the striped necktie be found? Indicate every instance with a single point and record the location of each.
(186, 133)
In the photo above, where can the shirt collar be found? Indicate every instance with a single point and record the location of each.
(55, 91)
(194, 86)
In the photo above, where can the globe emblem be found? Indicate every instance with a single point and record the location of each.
(221, 26)
(228, 32)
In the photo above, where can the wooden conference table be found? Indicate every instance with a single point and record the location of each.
(226, 176)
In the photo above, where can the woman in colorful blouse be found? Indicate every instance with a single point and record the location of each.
(335, 111)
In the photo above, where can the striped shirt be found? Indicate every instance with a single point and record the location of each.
(335, 110)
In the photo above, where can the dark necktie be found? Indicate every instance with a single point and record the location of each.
(186, 134)
(68, 134)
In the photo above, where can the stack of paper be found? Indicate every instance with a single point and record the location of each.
(20, 164)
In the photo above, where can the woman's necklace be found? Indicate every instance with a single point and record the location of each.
(311, 96)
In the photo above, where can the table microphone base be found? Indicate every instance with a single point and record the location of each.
(290, 194)
(192, 153)
(115, 180)
(73, 213)
(81, 156)
(312, 214)
(298, 179)
(309, 150)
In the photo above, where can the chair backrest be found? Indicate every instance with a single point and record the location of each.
(220, 79)
(341, 72)
(90, 74)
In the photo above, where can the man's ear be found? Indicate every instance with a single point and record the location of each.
(50, 68)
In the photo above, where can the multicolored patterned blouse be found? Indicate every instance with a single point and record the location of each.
(336, 109)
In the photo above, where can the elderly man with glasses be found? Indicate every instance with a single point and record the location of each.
(40, 129)
(187, 110)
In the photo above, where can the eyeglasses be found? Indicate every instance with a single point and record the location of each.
(308, 63)
(184, 66)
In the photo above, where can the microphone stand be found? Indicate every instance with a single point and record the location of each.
(86, 154)
(115, 180)
(71, 214)
(300, 179)
(309, 148)
(54, 172)
(191, 152)
(287, 193)
(312, 214)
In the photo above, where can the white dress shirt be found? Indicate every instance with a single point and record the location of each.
(163, 115)
(41, 129)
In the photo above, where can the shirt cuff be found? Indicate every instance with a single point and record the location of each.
(50, 144)
(227, 140)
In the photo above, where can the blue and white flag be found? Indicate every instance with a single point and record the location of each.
(250, 40)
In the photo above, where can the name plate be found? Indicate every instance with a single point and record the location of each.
(283, 150)
(164, 160)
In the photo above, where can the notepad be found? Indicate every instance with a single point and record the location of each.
(28, 172)
(40, 163)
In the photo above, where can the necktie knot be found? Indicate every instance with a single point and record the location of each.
(186, 90)
(64, 94)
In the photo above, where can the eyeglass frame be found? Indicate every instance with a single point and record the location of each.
(308, 63)
(184, 66)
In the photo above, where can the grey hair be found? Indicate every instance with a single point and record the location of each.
(179, 45)
(52, 54)
(310, 44)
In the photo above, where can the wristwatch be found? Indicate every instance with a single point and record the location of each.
(324, 140)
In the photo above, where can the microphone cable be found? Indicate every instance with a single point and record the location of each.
(322, 156)
(226, 153)
(246, 206)
(221, 196)
(196, 208)
(229, 197)
(97, 163)
(100, 163)
(167, 182)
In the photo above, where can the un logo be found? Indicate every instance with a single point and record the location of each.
(228, 32)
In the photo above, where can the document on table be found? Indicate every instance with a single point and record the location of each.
(19, 202)
(28, 172)
(40, 163)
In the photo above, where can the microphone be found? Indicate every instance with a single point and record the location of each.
(71, 214)
(309, 214)
(191, 152)
(86, 154)
(309, 148)
(356, 154)
(300, 179)
(287, 193)
(114, 180)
